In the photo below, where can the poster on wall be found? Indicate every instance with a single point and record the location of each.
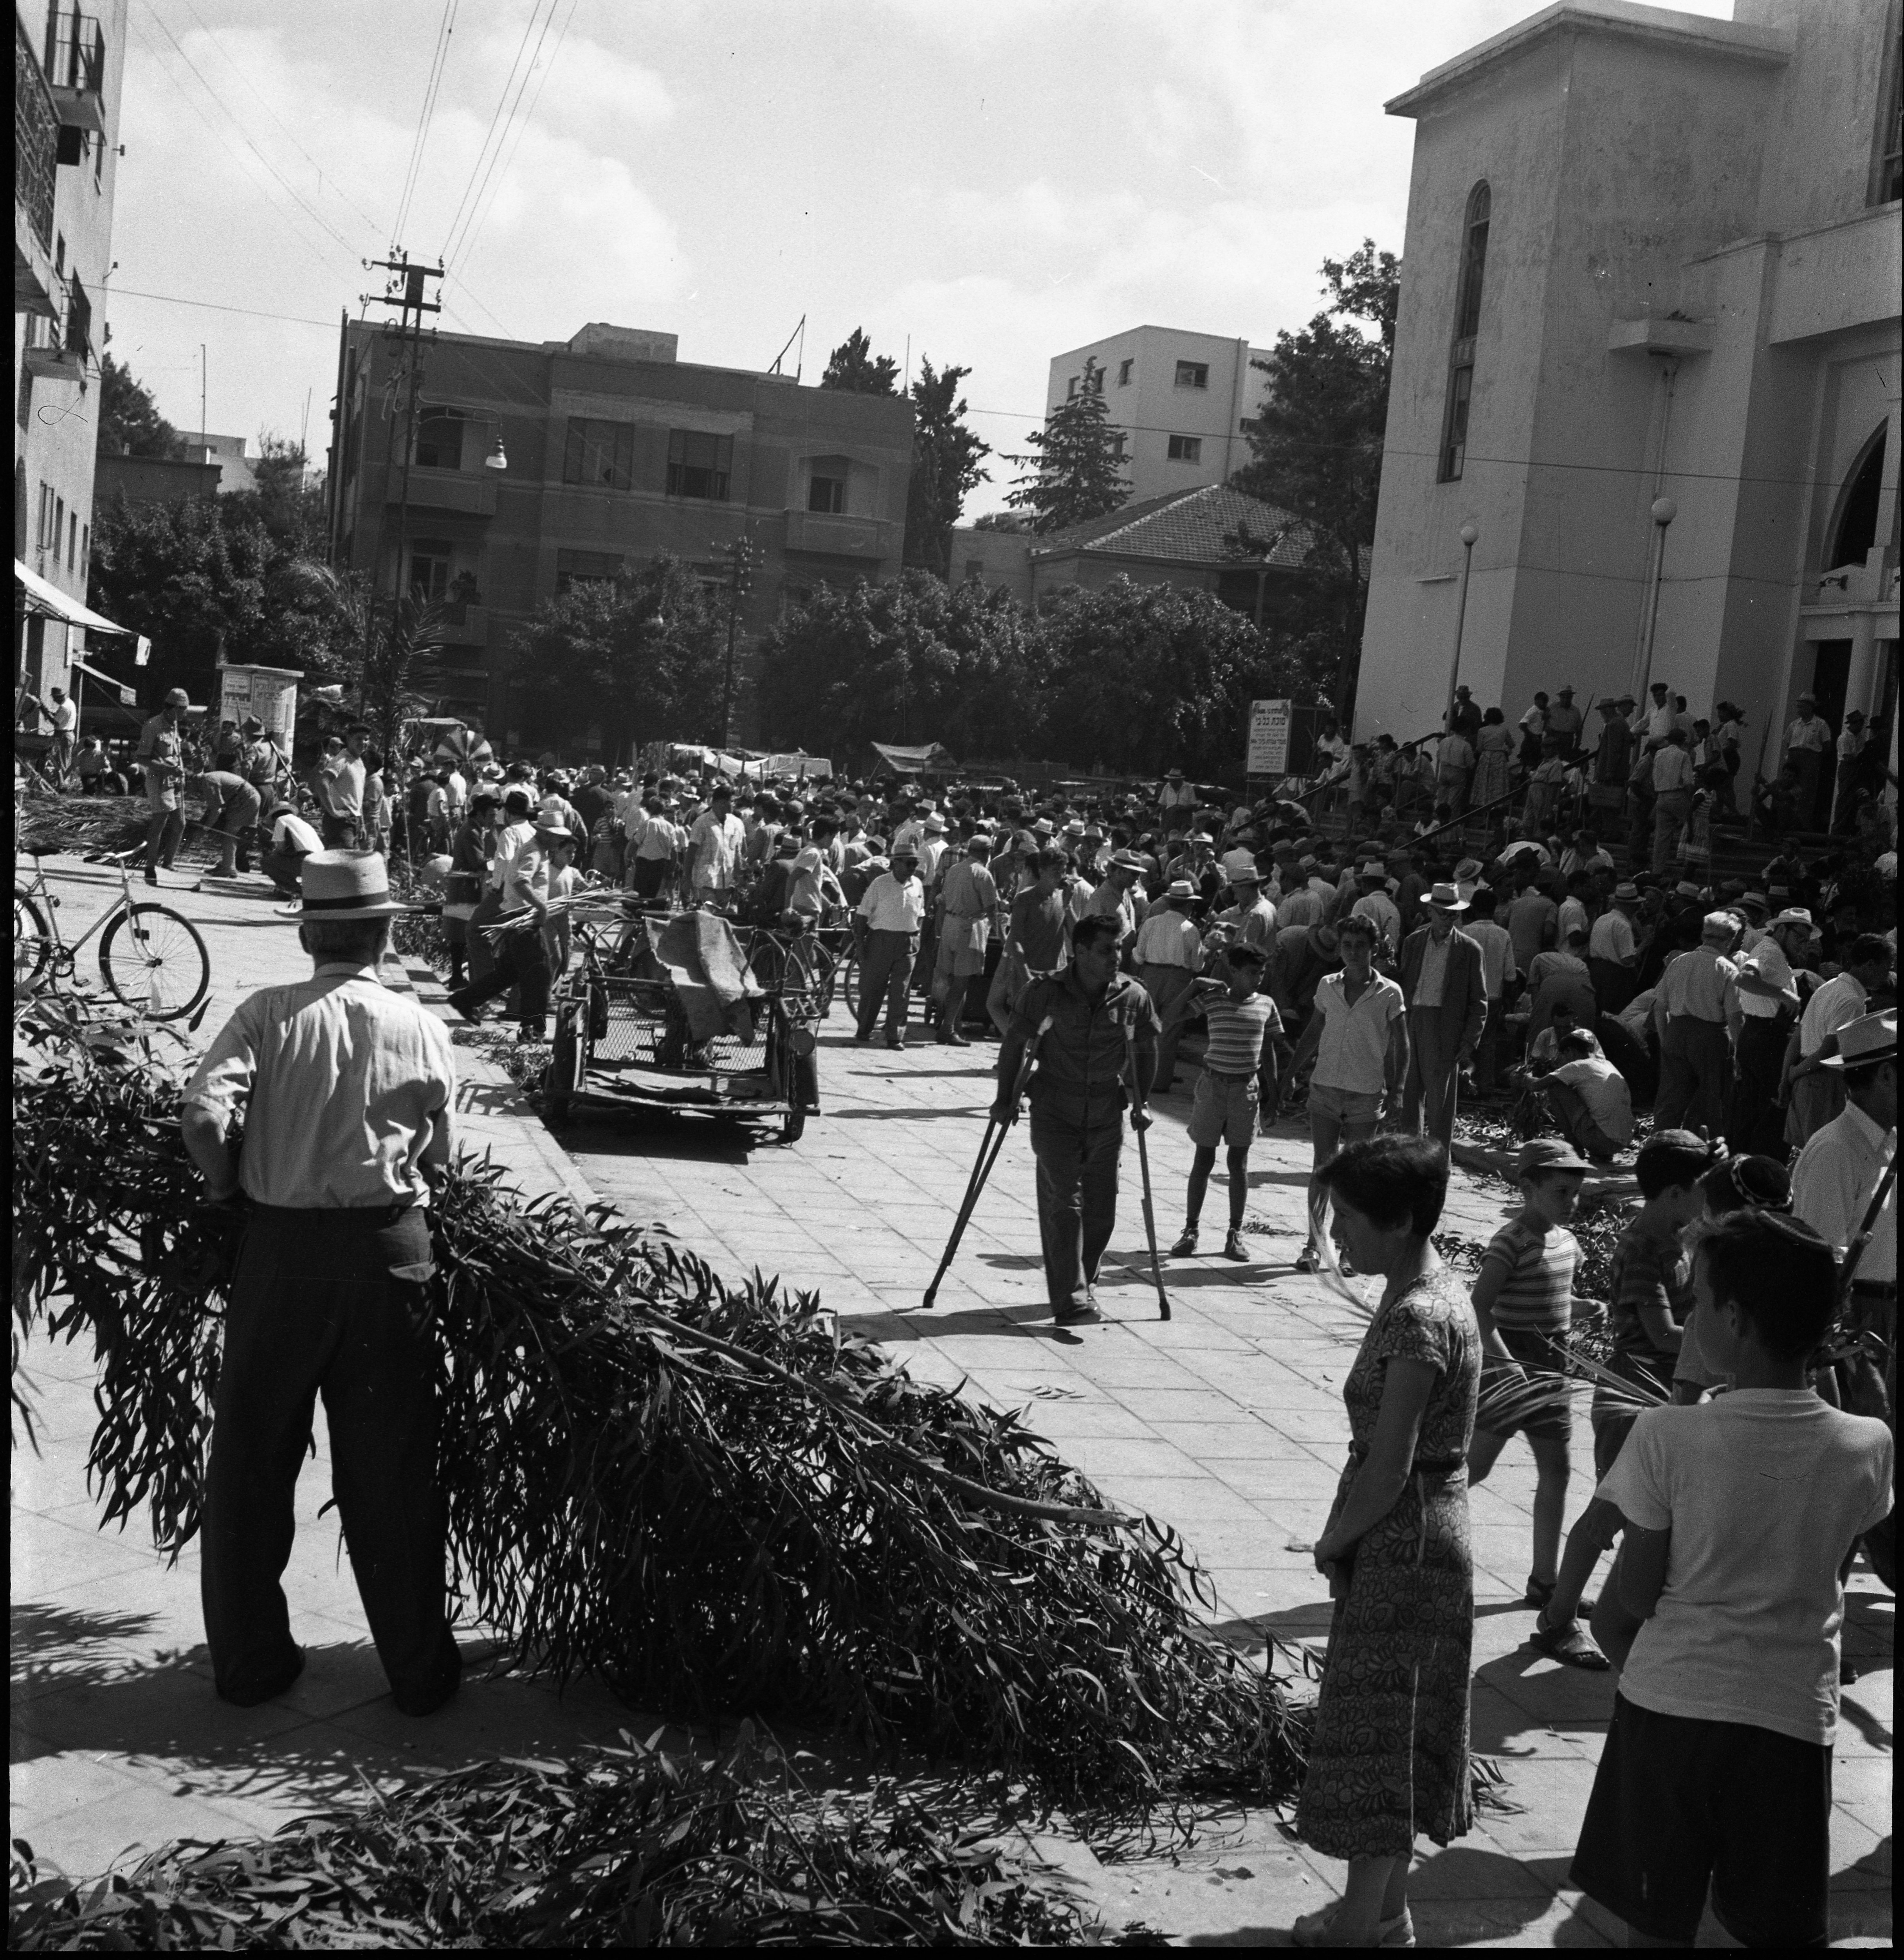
(1269, 750)
(270, 693)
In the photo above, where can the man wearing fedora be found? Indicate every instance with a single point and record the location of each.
(1176, 801)
(1838, 1172)
(885, 937)
(1445, 988)
(1168, 956)
(1761, 1007)
(346, 1091)
(160, 753)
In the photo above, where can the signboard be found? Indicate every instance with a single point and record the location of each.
(270, 693)
(1268, 752)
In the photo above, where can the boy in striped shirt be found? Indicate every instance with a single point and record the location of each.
(1524, 1304)
(1238, 1018)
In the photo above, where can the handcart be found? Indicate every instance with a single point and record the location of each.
(635, 1032)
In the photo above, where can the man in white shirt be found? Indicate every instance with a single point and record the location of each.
(1168, 956)
(1612, 949)
(1817, 1089)
(62, 718)
(292, 841)
(1807, 740)
(1498, 971)
(1660, 719)
(714, 847)
(1762, 1005)
(1838, 1172)
(1376, 905)
(886, 938)
(1673, 777)
(1589, 1098)
(1696, 1058)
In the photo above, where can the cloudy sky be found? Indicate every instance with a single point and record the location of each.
(997, 180)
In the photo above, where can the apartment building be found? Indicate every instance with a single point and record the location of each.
(1648, 348)
(1183, 402)
(539, 464)
(68, 69)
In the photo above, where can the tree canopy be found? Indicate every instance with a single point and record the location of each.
(1316, 443)
(640, 657)
(946, 460)
(129, 422)
(853, 369)
(1075, 468)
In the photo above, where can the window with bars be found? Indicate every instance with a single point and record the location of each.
(1467, 324)
(601, 453)
(698, 465)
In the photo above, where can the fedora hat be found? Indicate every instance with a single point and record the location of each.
(1240, 865)
(1181, 888)
(1127, 860)
(1446, 898)
(1794, 916)
(346, 885)
(1626, 893)
(1872, 1038)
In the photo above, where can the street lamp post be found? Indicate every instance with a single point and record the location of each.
(1469, 532)
(1664, 511)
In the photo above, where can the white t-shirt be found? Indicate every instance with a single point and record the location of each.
(1601, 1086)
(1353, 1052)
(1764, 1490)
(1612, 938)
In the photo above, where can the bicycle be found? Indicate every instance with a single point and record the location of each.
(151, 957)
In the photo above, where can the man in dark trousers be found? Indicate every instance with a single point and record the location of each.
(346, 1090)
(1445, 991)
(1102, 1038)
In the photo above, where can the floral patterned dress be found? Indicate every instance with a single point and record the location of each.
(1493, 746)
(1390, 1759)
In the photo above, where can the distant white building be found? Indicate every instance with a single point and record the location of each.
(236, 469)
(1183, 403)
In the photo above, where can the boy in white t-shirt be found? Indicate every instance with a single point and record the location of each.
(1742, 1514)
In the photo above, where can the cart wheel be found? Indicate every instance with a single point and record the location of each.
(793, 1126)
(806, 1082)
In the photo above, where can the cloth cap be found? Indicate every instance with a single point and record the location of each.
(1446, 898)
(346, 885)
(1548, 1153)
(1873, 1037)
(1181, 888)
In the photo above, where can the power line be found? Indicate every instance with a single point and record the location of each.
(426, 114)
(212, 306)
(479, 218)
(496, 116)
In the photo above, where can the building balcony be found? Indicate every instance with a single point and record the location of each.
(471, 491)
(842, 537)
(36, 163)
(76, 70)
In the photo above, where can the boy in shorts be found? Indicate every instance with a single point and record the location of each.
(1358, 1035)
(1743, 1515)
(1652, 1290)
(1523, 1302)
(1239, 1018)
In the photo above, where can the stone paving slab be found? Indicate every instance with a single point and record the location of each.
(1227, 1421)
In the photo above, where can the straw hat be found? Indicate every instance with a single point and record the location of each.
(346, 885)
(1446, 898)
(1872, 1038)
(1181, 888)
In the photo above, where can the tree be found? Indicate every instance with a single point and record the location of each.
(1014, 521)
(912, 660)
(853, 369)
(640, 657)
(1317, 442)
(945, 467)
(129, 422)
(1076, 465)
(1145, 677)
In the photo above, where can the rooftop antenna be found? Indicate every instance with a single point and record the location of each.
(799, 334)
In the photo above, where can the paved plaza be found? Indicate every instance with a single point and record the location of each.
(1226, 1422)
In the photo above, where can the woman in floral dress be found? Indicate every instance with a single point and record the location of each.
(1389, 1757)
(1493, 750)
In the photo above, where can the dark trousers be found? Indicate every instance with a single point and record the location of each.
(1569, 1109)
(1434, 1073)
(1695, 1069)
(1612, 983)
(283, 868)
(1753, 1122)
(333, 1304)
(163, 832)
(885, 967)
(521, 960)
(340, 833)
(1810, 765)
(1077, 1200)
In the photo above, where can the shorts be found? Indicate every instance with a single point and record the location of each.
(955, 957)
(1533, 1349)
(1346, 1106)
(1224, 1111)
(1678, 1803)
(1611, 1429)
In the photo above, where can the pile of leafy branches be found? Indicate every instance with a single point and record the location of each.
(628, 1846)
(47, 825)
(706, 1493)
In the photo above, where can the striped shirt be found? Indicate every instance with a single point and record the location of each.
(1235, 1031)
(1537, 1276)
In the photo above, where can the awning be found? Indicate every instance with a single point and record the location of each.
(50, 602)
(909, 762)
(123, 689)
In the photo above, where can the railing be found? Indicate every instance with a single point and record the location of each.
(35, 138)
(75, 52)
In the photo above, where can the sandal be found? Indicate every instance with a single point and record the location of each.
(1570, 1646)
(1318, 1929)
(1309, 1260)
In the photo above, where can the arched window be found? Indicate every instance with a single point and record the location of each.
(1855, 530)
(1467, 321)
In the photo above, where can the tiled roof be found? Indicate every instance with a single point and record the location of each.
(1188, 526)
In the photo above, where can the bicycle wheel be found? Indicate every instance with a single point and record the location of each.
(154, 960)
(849, 983)
(32, 941)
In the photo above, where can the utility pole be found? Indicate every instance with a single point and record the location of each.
(405, 290)
(741, 556)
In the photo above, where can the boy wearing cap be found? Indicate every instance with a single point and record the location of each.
(347, 1091)
(1524, 1304)
(1243, 1023)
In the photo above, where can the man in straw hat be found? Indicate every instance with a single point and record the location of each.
(1762, 1006)
(1838, 1172)
(1169, 956)
(885, 937)
(1695, 1056)
(1444, 987)
(346, 1091)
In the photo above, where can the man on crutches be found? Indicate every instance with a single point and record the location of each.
(1098, 1025)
